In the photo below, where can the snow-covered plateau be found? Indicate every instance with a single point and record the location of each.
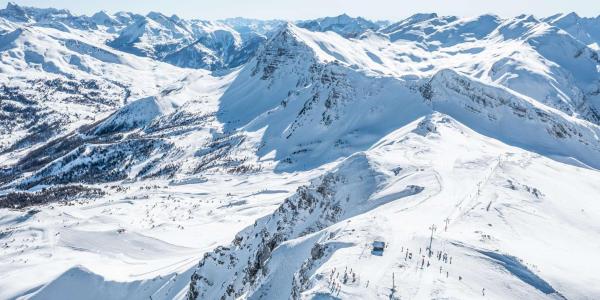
(435, 157)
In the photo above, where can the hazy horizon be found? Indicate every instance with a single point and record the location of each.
(288, 10)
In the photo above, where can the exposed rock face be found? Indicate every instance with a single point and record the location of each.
(244, 267)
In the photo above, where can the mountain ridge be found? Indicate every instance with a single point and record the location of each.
(155, 156)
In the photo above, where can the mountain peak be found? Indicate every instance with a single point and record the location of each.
(343, 25)
(566, 19)
(485, 127)
(176, 18)
(344, 17)
(103, 18)
(20, 13)
(420, 17)
(12, 5)
(101, 13)
(283, 35)
(157, 16)
(14, 12)
(527, 18)
(284, 29)
(573, 15)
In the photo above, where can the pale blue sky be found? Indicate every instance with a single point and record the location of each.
(304, 9)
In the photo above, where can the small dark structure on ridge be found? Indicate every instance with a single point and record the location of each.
(378, 247)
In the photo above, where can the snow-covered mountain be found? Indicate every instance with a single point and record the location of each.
(60, 19)
(584, 29)
(498, 239)
(55, 81)
(344, 25)
(156, 157)
(190, 44)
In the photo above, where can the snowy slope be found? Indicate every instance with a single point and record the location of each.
(127, 173)
(170, 39)
(320, 96)
(55, 81)
(343, 25)
(194, 44)
(247, 26)
(499, 234)
(60, 19)
(584, 29)
(152, 35)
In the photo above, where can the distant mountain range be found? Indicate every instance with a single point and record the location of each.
(157, 157)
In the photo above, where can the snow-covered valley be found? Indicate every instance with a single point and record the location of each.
(437, 157)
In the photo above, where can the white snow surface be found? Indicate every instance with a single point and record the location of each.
(272, 179)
